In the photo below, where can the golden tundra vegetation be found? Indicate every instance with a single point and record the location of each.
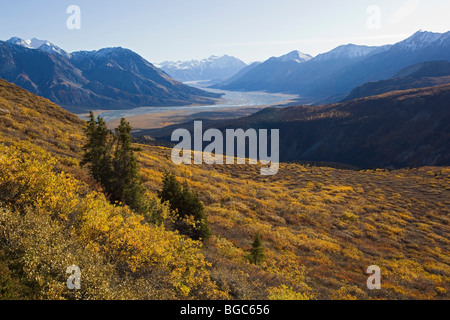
(321, 227)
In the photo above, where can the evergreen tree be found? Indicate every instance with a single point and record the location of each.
(127, 186)
(187, 204)
(171, 191)
(97, 150)
(112, 161)
(191, 205)
(257, 255)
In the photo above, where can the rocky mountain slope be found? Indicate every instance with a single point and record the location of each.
(110, 78)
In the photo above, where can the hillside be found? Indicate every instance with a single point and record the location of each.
(53, 215)
(267, 76)
(241, 73)
(34, 121)
(111, 78)
(302, 77)
(422, 75)
(394, 130)
(321, 227)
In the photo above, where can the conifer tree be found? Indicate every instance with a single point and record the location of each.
(257, 255)
(192, 205)
(97, 150)
(112, 161)
(171, 191)
(187, 204)
(127, 186)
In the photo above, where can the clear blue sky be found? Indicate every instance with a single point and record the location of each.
(248, 29)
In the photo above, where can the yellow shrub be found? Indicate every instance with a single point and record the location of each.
(284, 292)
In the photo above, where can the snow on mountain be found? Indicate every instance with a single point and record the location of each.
(350, 51)
(112, 78)
(212, 68)
(422, 39)
(211, 62)
(105, 53)
(20, 42)
(31, 43)
(182, 65)
(37, 44)
(50, 48)
(295, 55)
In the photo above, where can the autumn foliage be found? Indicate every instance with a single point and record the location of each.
(320, 227)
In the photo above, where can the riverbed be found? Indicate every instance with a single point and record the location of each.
(232, 104)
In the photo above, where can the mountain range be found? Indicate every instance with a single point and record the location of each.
(110, 78)
(331, 76)
(213, 68)
(118, 78)
(269, 74)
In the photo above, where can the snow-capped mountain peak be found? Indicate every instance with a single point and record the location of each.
(36, 43)
(43, 45)
(350, 51)
(105, 53)
(50, 48)
(212, 68)
(20, 42)
(422, 39)
(295, 55)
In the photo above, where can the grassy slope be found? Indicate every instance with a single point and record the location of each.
(321, 227)
(335, 223)
(38, 122)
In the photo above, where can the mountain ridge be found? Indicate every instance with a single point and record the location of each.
(331, 76)
(398, 129)
(421, 75)
(113, 78)
(214, 68)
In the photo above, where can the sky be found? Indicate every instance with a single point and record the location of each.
(252, 30)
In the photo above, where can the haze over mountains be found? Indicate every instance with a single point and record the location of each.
(394, 110)
(117, 78)
(421, 75)
(331, 76)
(290, 73)
(213, 68)
(110, 78)
(270, 72)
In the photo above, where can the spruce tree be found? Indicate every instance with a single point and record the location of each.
(97, 150)
(127, 186)
(112, 161)
(257, 255)
(187, 204)
(191, 205)
(171, 191)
